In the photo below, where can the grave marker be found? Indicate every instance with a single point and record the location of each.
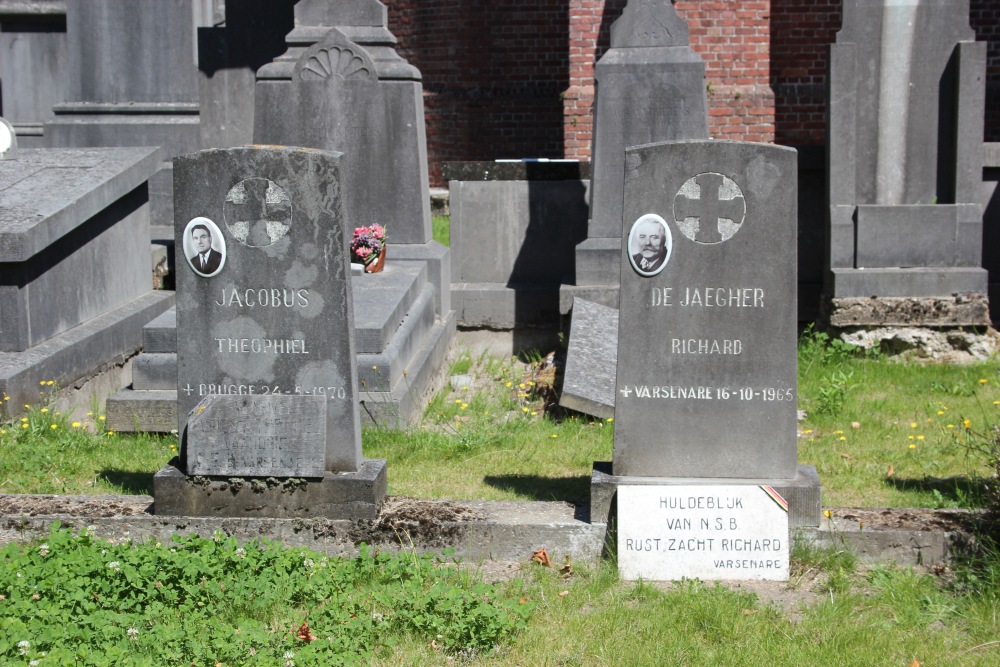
(706, 381)
(705, 414)
(266, 360)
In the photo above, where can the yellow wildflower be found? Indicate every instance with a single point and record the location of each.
(983, 380)
(77, 424)
(950, 426)
(967, 424)
(913, 424)
(24, 426)
(940, 412)
(912, 446)
(53, 427)
(50, 383)
(524, 409)
(44, 410)
(920, 437)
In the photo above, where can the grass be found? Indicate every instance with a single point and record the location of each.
(502, 436)
(880, 433)
(441, 229)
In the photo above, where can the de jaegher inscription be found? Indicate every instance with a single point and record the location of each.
(706, 380)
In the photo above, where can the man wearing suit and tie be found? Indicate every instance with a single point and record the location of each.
(208, 260)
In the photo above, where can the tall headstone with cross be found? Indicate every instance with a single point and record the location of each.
(266, 381)
(905, 159)
(706, 383)
(650, 87)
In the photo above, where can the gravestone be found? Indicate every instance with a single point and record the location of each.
(706, 384)
(266, 382)
(905, 132)
(132, 81)
(33, 64)
(650, 87)
(514, 224)
(75, 283)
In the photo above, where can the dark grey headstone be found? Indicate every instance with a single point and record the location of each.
(342, 87)
(707, 369)
(591, 359)
(905, 123)
(33, 64)
(650, 87)
(257, 436)
(274, 315)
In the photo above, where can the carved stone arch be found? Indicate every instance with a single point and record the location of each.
(335, 56)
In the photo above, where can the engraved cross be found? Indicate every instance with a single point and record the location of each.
(709, 208)
(626, 392)
(188, 389)
(254, 203)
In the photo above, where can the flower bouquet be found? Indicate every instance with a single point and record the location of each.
(368, 247)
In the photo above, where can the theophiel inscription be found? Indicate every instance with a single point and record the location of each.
(262, 345)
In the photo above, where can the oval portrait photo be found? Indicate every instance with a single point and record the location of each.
(649, 245)
(204, 247)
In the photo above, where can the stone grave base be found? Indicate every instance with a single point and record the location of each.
(351, 496)
(74, 356)
(961, 309)
(803, 492)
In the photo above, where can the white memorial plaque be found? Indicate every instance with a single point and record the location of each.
(704, 532)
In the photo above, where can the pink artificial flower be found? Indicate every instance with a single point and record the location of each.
(363, 252)
(378, 231)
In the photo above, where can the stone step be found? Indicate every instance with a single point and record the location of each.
(160, 335)
(158, 370)
(155, 411)
(155, 371)
(381, 303)
(142, 411)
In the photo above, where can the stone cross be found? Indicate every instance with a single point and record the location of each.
(702, 201)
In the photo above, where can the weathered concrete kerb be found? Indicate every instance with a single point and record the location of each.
(477, 530)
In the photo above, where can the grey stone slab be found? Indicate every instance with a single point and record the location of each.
(380, 371)
(33, 63)
(65, 261)
(48, 193)
(605, 295)
(499, 306)
(438, 260)
(906, 236)
(919, 281)
(81, 351)
(707, 371)
(150, 411)
(154, 371)
(355, 495)
(382, 300)
(401, 404)
(969, 309)
(591, 360)
(597, 261)
(516, 232)
(160, 335)
(803, 492)
(257, 436)
(372, 111)
(274, 316)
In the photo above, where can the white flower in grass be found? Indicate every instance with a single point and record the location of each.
(24, 645)
(43, 550)
(133, 633)
(114, 566)
(308, 563)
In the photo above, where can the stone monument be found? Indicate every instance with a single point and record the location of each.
(266, 382)
(75, 283)
(706, 384)
(650, 86)
(132, 81)
(905, 141)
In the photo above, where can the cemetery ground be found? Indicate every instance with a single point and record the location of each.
(881, 433)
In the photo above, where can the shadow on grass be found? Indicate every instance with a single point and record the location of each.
(964, 492)
(130, 483)
(536, 487)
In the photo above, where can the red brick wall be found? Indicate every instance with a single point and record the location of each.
(984, 16)
(515, 78)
